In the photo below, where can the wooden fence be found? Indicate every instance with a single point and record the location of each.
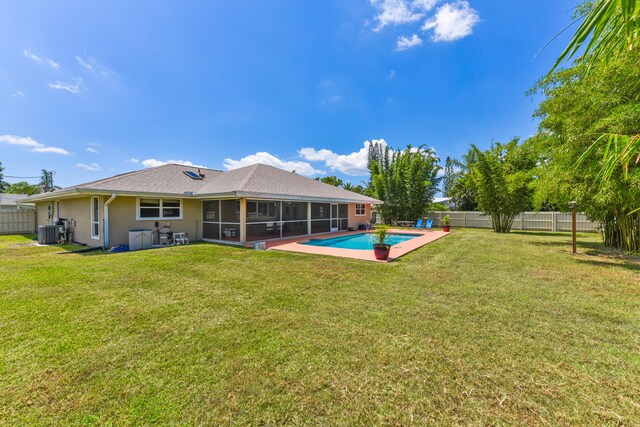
(544, 221)
(15, 221)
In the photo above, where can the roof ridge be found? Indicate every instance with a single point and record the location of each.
(189, 166)
(246, 180)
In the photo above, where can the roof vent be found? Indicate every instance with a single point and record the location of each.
(193, 175)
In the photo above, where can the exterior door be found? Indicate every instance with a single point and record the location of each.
(334, 217)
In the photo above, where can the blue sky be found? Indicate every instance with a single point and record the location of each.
(90, 89)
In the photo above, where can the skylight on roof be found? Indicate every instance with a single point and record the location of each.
(192, 175)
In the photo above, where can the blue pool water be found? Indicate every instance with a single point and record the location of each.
(361, 241)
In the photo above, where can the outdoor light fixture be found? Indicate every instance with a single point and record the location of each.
(573, 205)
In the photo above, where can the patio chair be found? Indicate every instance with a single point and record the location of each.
(428, 224)
(180, 238)
(418, 224)
(272, 227)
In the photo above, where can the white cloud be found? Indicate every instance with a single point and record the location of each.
(50, 62)
(84, 63)
(55, 150)
(302, 168)
(36, 147)
(73, 88)
(452, 21)
(92, 150)
(89, 167)
(90, 64)
(20, 140)
(397, 12)
(354, 164)
(425, 5)
(133, 160)
(151, 163)
(18, 94)
(405, 42)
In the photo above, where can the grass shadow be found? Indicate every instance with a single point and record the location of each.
(586, 246)
(88, 251)
(539, 233)
(620, 261)
(547, 233)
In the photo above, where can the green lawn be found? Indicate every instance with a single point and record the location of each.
(476, 328)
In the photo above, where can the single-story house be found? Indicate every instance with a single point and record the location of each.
(13, 201)
(445, 201)
(249, 204)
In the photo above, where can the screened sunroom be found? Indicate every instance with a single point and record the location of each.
(250, 220)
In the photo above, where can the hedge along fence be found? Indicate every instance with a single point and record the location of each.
(543, 221)
(16, 221)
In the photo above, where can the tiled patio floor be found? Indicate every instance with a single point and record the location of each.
(292, 245)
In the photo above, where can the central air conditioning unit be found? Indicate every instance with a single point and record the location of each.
(47, 234)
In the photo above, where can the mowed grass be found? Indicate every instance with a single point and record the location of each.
(476, 328)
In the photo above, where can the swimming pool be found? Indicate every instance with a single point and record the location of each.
(361, 241)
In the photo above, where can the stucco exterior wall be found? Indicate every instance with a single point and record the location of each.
(354, 220)
(42, 212)
(122, 218)
(78, 210)
(123, 213)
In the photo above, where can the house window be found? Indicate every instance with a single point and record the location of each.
(360, 209)
(95, 217)
(159, 209)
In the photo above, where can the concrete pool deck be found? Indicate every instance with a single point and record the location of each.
(403, 248)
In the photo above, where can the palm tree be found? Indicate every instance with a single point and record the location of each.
(348, 186)
(46, 181)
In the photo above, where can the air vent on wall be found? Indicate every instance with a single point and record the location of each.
(192, 175)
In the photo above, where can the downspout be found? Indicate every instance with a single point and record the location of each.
(105, 237)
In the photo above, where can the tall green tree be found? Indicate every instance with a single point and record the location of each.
(461, 194)
(23, 187)
(449, 176)
(3, 183)
(609, 29)
(578, 108)
(46, 181)
(458, 186)
(355, 188)
(348, 186)
(406, 181)
(331, 180)
(500, 180)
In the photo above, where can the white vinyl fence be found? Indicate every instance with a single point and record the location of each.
(14, 221)
(545, 221)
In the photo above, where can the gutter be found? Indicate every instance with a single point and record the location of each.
(105, 237)
(74, 192)
(274, 196)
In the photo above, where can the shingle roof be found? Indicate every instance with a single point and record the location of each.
(251, 181)
(168, 179)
